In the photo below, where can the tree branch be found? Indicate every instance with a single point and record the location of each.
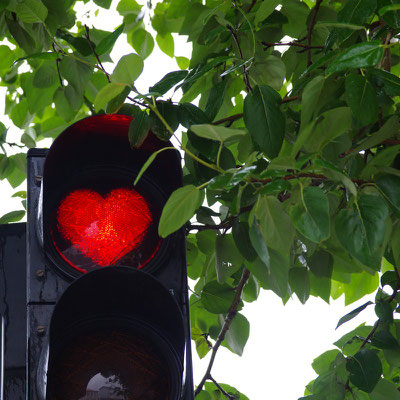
(304, 46)
(235, 117)
(226, 394)
(249, 89)
(228, 321)
(230, 119)
(387, 142)
(378, 321)
(304, 175)
(100, 65)
(310, 28)
(252, 5)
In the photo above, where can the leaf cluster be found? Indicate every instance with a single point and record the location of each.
(288, 119)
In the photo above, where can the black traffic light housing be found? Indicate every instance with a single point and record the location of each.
(88, 292)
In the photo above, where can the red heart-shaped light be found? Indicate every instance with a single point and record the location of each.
(104, 229)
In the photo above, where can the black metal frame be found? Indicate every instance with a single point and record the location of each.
(45, 284)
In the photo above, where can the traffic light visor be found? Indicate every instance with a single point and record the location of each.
(93, 214)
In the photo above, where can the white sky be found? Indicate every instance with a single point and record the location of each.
(284, 340)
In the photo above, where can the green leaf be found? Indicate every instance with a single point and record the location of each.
(361, 97)
(236, 66)
(390, 128)
(142, 42)
(266, 8)
(275, 187)
(390, 82)
(388, 8)
(40, 56)
(323, 130)
(339, 25)
(20, 115)
(320, 264)
(351, 341)
(276, 276)
(264, 119)
(179, 208)
(390, 186)
(149, 161)
(240, 231)
(106, 44)
(311, 99)
(106, 94)
(215, 99)
(275, 225)
(257, 242)
(12, 216)
(126, 7)
(115, 104)
(62, 105)
(103, 3)
(202, 347)
(183, 62)
(353, 314)
(329, 385)
(128, 69)
(31, 11)
(138, 129)
(251, 289)
(322, 363)
(227, 257)
(365, 369)
(168, 82)
(385, 390)
(166, 44)
(361, 284)
(384, 340)
(216, 132)
(238, 333)
(361, 230)
(7, 57)
(311, 217)
(206, 241)
(300, 283)
(217, 298)
(75, 72)
(44, 77)
(366, 54)
(384, 311)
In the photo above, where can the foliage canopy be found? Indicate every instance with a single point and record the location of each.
(295, 140)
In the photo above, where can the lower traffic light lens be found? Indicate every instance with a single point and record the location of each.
(111, 364)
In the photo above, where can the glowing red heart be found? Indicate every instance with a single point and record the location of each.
(104, 228)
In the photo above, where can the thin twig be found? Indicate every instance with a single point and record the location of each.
(232, 118)
(304, 46)
(387, 142)
(235, 117)
(253, 3)
(378, 321)
(227, 323)
(249, 89)
(304, 175)
(226, 394)
(310, 28)
(100, 65)
(289, 99)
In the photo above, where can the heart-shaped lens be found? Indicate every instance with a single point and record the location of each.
(99, 230)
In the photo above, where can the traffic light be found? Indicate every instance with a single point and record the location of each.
(107, 301)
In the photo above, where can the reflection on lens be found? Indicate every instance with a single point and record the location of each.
(111, 364)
